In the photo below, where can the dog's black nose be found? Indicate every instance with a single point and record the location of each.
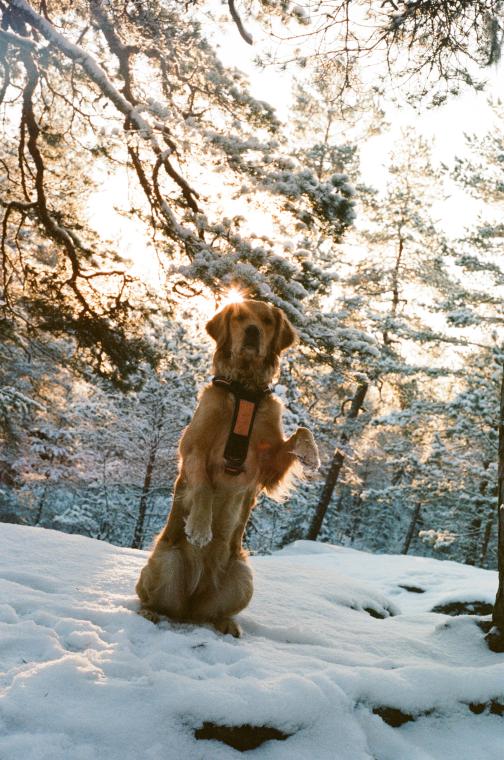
(252, 331)
(251, 337)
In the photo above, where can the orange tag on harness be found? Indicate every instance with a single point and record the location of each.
(244, 418)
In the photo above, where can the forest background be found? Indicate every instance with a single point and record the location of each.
(352, 176)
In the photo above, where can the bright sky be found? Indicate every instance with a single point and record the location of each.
(444, 125)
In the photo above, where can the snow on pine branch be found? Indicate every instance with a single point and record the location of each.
(90, 66)
(13, 399)
(99, 77)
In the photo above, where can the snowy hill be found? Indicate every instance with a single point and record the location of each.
(331, 635)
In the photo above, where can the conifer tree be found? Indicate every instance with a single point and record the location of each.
(478, 306)
(174, 133)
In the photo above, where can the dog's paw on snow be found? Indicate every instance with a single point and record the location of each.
(228, 626)
(149, 615)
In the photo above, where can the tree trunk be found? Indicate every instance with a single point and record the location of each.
(486, 539)
(498, 612)
(475, 524)
(41, 504)
(335, 467)
(474, 537)
(357, 509)
(411, 529)
(138, 535)
(337, 529)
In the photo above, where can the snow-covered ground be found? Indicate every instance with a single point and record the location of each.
(84, 678)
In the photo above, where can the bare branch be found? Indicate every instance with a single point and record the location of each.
(236, 18)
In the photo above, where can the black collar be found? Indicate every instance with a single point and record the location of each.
(240, 391)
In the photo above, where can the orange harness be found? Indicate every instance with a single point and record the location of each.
(245, 408)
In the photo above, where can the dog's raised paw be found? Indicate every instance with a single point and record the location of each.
(306, 450)
(198, 535)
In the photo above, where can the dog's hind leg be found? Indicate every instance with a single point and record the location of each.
(162, 584)
(218, 605)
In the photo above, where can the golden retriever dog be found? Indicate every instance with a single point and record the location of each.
(232, 449)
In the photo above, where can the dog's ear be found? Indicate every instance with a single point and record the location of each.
(218, 326)
(285, 335)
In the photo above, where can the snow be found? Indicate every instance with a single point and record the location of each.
(85, 678)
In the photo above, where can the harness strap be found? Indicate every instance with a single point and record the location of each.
(245, 408)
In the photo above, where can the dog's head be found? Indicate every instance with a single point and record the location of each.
(250, 337)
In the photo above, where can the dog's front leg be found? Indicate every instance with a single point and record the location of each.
(198, 524)
(302, 445)
(197, 498)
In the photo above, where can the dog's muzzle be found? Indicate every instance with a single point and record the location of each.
(251, 338)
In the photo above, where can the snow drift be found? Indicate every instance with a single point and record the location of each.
(335, 648)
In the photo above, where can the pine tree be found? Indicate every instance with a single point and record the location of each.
(478, 304)
(174, 134)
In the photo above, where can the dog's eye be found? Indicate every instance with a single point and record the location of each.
(240, 317)
(268, 321)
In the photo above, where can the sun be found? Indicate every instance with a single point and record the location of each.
(232, 295)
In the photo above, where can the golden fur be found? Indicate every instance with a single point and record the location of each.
(198, 570)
